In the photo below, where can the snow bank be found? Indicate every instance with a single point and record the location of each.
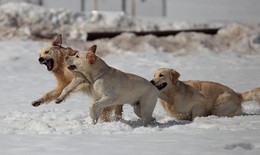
(22, 20)
(232, 38)
(27, 21)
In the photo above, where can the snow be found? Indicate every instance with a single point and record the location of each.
(67, 129)
(230, 57)
(25, 21)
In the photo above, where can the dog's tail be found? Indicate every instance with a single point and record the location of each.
(253, 95)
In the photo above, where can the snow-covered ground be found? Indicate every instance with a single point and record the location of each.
(66, 129)
(230, 57)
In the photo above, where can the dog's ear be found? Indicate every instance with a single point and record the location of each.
(57, 41)
(91, 58)
(174, 75)
(92, 49)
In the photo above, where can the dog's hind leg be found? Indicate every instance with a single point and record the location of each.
(137, 109)
(118, 112)
(147, 105)
(107, 112)
(227, 105)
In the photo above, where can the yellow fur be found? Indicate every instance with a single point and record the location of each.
(64, 77)
(190, 99)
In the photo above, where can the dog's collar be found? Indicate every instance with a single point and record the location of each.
(102, 74)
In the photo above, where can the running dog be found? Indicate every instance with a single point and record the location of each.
(111, 86)
(53, 56)
(190, 99)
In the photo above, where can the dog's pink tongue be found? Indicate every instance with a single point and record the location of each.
(49, 64)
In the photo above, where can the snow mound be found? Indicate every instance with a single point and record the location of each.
(232, 38)
(28, 21)
(25, 20)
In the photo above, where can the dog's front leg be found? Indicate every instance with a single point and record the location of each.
(46, 98)
(67, 90)
(96, 107)
(198, 110)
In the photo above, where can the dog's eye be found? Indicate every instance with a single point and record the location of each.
(161, 75)
(77, 56)
(46, 52)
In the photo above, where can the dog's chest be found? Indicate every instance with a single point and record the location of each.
(98, 90)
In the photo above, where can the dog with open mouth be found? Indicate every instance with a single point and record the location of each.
(111, 86)
(190, 99)
(53, 56)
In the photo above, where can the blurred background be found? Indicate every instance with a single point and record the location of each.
(166, 25)
(175, 10)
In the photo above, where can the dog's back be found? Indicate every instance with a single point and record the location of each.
(210, 89)
(126, 86)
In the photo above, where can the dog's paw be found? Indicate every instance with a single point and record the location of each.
(93, 115)
(36, 103)
(94, 121)
(58, 101)
(94, 118)
(153, 119)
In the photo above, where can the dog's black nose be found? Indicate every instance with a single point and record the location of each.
(152, 81)
(41, 59)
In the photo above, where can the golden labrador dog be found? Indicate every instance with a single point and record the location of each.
(111, 86)
(53, 56)
(190, 99)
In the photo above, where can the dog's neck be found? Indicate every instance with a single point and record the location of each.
(98, 70)
(101, 74)
(177, 90)
(181, 89)
(60, 69)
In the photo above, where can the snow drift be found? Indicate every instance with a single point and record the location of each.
(232, 38)
(28, 20)
(22, 20)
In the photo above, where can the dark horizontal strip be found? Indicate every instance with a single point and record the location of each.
(98, 35)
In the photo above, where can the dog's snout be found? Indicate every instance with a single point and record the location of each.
(41, 59)
(152, 81)
(72, 67)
